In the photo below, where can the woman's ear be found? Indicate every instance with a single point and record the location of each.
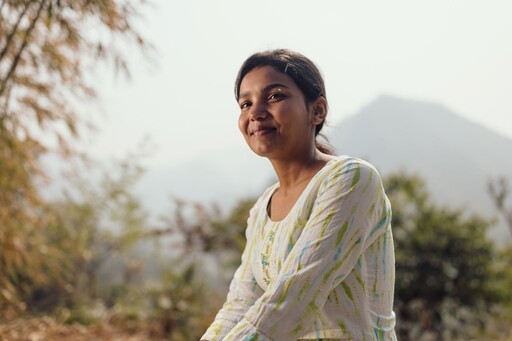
(319, 110)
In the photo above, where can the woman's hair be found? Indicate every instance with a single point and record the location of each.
(303, 72)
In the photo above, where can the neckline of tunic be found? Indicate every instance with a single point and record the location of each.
(307, 189)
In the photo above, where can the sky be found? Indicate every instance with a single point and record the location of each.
(457, 53)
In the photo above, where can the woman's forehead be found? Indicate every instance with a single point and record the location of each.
(261, 78)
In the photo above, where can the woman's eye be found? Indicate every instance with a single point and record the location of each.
(276, 96)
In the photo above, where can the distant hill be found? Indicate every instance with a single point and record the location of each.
(454, 156)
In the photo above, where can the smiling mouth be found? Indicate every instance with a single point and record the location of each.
(263, 131)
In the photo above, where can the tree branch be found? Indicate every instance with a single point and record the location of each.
(22, 47)
(499, 191)
(4, 107)
(13, 31)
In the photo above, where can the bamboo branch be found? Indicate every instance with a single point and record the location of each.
(13, 31)
(22, 47)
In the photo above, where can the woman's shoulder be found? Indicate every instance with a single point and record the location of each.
(344, 165)
(346, 174)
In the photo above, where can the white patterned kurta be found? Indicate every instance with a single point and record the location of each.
(326, 271)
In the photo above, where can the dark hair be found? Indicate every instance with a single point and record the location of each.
(303, 72)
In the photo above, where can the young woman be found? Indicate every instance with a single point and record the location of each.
(319, 259)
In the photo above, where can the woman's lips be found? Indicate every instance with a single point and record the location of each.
(263, 131)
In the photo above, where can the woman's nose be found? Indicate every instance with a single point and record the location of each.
(258, 111)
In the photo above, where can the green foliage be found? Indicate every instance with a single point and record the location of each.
(58, 264)
(233, 227)
(180, 305)
(202, 231)
(447, 282)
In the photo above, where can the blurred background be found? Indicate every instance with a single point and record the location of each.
(125, 184)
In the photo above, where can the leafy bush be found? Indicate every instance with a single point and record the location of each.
(450, 280)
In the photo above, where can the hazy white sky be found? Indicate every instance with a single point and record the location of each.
(458, 53)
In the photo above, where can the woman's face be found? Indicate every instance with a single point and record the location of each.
(274, 118)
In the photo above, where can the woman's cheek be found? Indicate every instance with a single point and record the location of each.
(242, 123)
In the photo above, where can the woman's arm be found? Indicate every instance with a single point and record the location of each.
(349, 213)
(243, 292)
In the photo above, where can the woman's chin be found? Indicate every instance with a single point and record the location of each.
(263, 152)
(260, 153)
(260, 149)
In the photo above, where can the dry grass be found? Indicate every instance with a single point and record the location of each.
(48, 328)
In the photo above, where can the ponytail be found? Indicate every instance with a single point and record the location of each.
(323, 145)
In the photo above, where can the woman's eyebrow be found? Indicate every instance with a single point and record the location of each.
(265, 89)
(274, 85)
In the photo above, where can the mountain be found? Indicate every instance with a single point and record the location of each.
(454, 156)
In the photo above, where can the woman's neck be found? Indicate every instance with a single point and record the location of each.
(295, 171)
